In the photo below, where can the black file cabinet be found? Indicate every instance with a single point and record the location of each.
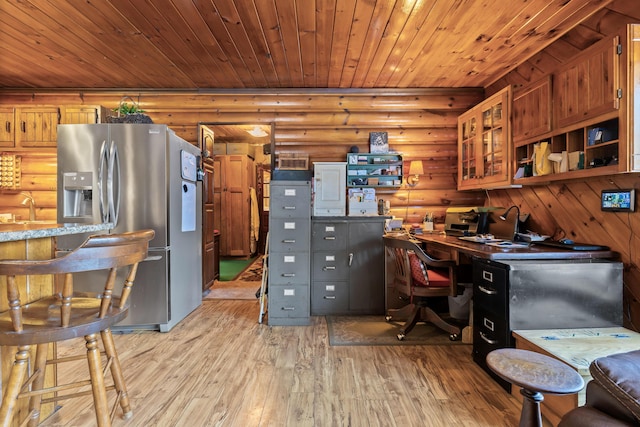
(542, 294)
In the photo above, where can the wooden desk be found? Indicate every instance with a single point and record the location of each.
(456, 247)
(577, 348)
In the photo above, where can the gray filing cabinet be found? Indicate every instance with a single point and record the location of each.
(347, 266)
(543, 294)
(289, 245)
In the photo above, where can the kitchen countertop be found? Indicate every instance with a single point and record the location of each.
(10, 232)
(532, 252)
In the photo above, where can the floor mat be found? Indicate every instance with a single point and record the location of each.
(252, 273)
(374, 330)
(231, 268)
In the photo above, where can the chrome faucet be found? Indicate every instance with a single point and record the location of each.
(28, 199)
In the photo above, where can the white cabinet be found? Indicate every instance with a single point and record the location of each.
(329, 185)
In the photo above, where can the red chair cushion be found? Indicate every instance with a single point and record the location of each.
(427, 277)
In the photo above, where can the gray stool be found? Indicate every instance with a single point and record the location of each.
(535, 373)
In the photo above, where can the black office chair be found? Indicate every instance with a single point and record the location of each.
(418, 278)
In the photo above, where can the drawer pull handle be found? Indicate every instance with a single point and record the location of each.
(288, 308)
(487, 275)
(288, 275)
(487, 290)
(330, 238)
(329, 267)
(350, 259)
(289, 208)
(23, 126)
(329, 297)
(289, 241)
(489, 324)
(490, 341)
(7, 126)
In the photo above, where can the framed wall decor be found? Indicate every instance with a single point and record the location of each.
(378, 142)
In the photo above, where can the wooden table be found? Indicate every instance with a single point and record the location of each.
(577, 348)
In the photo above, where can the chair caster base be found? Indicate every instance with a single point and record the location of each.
(400, 337)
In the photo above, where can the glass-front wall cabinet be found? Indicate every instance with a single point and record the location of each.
(483, 143)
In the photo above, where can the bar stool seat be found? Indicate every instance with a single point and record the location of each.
(66, 315)
(535, 373)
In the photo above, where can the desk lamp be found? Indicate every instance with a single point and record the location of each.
(517, 222)
(504, 215)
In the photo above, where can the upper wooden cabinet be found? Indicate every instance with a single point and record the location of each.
(37, 126)
(484, 141)
(83, 114)
(7, 129)
(531, 110)
(594, 131)
(588, 86)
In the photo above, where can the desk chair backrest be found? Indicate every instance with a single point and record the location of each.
(417, 274)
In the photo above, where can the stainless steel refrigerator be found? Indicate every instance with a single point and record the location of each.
(137, 176)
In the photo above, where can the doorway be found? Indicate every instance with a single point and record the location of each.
(236, 161)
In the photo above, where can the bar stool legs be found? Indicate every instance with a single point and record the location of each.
(35, 401)
(16, 378)
(116, 373)
(17, 388)
(530, 415)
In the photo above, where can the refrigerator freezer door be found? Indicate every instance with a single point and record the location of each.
(142, 153)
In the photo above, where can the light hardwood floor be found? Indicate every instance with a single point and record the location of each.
(219, 367)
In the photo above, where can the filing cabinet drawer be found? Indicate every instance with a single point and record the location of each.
(329, 298)
(490, 332)
(288, 301)
(289, 201)
(492, 329)
(490, 288)
(289, 268)
(289, 235)
(329, 236)
(330, 266)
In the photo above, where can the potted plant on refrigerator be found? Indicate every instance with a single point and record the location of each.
(129, 113)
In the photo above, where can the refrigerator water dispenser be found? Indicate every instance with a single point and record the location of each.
(78, 194)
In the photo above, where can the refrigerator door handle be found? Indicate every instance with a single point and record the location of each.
(104, 160)
(113, 183)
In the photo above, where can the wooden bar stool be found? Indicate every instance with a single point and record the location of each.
(66, 315)
(535, 373)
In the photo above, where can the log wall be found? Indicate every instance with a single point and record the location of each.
(323, 124)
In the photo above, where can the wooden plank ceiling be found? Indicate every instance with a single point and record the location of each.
(200, 44)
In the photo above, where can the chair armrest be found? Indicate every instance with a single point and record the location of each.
(600, 399)
(618, 375)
